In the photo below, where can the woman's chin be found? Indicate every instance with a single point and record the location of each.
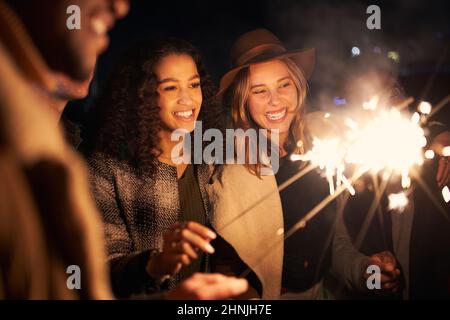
(280, 127)
(185, 126)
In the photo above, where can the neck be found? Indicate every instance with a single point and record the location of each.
(53, 106)
(57, 107)
(166, 146)
(282, 138)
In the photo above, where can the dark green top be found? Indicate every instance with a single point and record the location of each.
(192, 209)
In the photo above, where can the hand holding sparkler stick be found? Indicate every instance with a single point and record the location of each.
(209, 286)
(390, 273)
(181, 245)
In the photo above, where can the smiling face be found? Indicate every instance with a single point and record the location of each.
(273, 96)
(71, 52)
(179, 90)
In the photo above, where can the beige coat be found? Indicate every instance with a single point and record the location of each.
(255, 235)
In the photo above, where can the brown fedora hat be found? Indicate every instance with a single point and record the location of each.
(261, 45)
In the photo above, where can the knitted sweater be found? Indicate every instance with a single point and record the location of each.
(137, 209)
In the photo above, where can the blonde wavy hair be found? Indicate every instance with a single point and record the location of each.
(237, 97)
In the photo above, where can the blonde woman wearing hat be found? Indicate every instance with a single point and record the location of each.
(266, 89)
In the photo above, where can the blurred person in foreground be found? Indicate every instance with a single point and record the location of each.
(48, 220)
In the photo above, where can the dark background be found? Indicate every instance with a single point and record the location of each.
(418, 30)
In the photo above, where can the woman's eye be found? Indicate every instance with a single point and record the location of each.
(170, 88)
(195, 85)
(259, 91)
(286, 84)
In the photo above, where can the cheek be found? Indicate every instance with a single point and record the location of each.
(256, 108)
(164, 109)
(292, 97)
(164, 103)
(198, 97)
(289, 120)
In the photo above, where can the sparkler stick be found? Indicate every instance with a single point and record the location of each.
(302, 222)
(439, 106)
(402, 105)
(313, 212)
(375, 204)
(280, 188)
(380, 213)
(436, 203)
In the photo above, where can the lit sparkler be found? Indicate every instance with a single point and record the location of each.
(386, 143)
(328, 155)
(387, 140)
(446, 151)
(397, 201)
(446, 194)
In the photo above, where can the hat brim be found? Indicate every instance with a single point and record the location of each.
(305, 59)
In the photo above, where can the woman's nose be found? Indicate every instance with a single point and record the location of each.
(185, 98)
(274, 98)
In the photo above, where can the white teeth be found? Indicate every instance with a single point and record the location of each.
(276, 115)
(184, 114)
(99, 26)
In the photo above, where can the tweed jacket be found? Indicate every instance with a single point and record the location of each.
(137, 210)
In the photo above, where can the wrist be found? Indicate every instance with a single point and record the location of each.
(154, 267)
(361, 266)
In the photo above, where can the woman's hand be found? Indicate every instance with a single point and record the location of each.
(210, 286)
(390, 277)
(181, 245)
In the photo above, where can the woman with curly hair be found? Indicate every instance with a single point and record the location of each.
(155, 210)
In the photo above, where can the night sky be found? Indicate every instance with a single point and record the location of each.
(418, 30)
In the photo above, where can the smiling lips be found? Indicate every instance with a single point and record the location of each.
(277, 115)
(187, 115)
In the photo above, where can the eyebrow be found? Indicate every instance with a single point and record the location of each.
(279, 80)
(176, 80)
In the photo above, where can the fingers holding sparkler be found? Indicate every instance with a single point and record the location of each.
(390, 273)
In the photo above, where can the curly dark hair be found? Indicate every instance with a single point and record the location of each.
(127, 110)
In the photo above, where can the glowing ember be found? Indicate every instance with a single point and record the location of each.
(397, 201)
(385, 140)
(446, 151)
(446, 194)
(429, 154)
(328, 155)
(390, 141)
(415, 117)
(424, 107)
(372, 104)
